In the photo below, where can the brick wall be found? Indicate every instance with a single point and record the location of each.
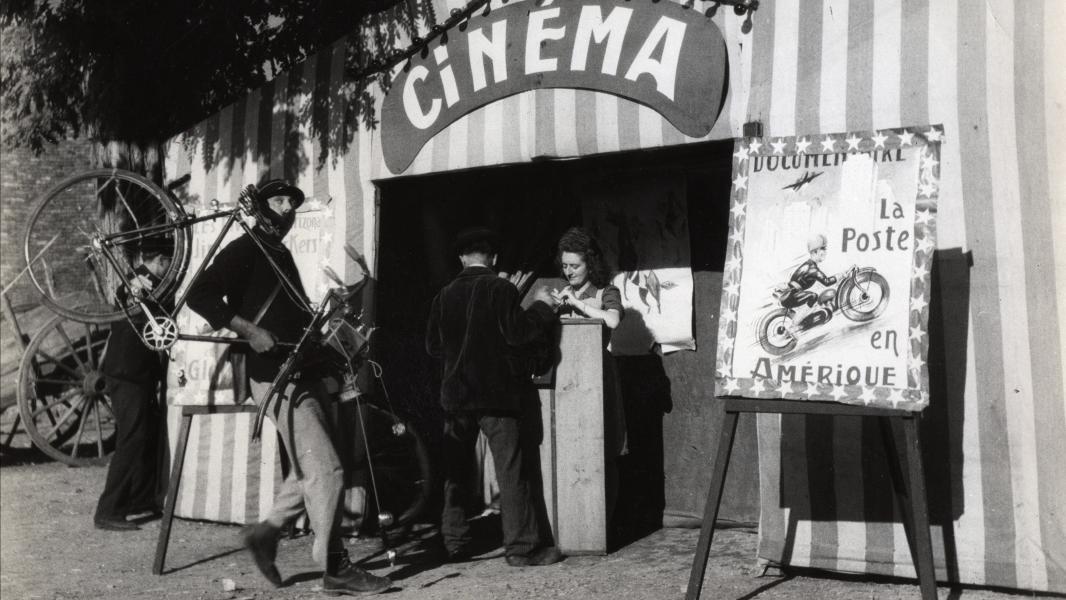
(23, 178)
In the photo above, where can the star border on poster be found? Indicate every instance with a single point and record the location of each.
(914, 394)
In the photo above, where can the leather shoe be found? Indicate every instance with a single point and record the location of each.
(261, 540)
(351, 580)
(549, 555)
(460, 555)
(144, 515)
(114, 524)
(517, 560)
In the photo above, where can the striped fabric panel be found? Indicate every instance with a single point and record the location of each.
(1043, 93)
(1001, 397)
(225, 477)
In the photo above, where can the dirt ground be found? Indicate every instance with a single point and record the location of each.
(49, 549)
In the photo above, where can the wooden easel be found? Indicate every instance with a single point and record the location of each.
(909, 491)
(187, 413)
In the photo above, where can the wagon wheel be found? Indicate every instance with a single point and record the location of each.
(61, 395)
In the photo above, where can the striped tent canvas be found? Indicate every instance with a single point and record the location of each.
(995, 430)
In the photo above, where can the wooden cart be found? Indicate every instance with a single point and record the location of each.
(63, 406)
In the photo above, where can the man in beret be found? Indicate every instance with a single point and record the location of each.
(475, 324)
(242, 292)
(133, 372)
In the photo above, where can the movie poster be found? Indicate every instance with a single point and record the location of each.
(826, 283)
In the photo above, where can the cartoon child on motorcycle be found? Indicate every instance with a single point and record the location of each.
(860, 294)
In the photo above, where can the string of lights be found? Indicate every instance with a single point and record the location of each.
(459, 17)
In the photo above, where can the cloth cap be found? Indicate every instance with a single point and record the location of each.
(279, 187)
(477, 239)
(816, 242)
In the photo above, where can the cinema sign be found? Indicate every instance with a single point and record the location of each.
(659, 54)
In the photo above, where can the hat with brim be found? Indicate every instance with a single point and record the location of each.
(477, 238)
(278, 187)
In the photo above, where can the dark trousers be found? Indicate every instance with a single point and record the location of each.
(522, 532)
(132, 477)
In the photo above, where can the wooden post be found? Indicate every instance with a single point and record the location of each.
(710, 509)
(172, 494)
(9, 314)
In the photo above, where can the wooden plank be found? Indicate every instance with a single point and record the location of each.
(579, 458)
(809, 407)
(547, 457)
(172, 494)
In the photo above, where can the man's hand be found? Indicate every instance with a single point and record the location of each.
(140, 286)
(542, 295)
(261, 340)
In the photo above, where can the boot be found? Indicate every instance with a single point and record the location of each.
(344, 578)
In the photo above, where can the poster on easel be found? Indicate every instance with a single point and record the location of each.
(826, 286)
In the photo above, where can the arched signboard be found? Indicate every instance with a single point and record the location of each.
(658, 54)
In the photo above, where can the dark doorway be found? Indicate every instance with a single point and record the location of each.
(531, 205)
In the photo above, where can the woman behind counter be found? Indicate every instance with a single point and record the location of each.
(589, 294)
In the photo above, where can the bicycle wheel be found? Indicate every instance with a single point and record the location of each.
(61, 394)
(399, 471)
(84, 234)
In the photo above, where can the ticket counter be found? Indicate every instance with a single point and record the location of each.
(572, 451)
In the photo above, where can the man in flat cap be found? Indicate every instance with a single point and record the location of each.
(475, 325)
(242, 292)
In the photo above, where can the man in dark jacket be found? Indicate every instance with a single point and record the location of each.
(241, 291)
(475, 324)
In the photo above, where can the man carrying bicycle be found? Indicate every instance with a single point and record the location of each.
(241, 291)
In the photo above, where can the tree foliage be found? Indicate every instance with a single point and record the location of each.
(140, 71)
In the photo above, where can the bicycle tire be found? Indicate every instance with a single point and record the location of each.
(402, 471)
(70, 270)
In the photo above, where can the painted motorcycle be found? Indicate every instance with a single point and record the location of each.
(860, 295)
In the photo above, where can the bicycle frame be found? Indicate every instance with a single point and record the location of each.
(105, 244)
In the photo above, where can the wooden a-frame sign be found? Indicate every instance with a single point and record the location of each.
(825, 300)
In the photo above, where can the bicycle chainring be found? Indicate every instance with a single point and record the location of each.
(160, 333)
